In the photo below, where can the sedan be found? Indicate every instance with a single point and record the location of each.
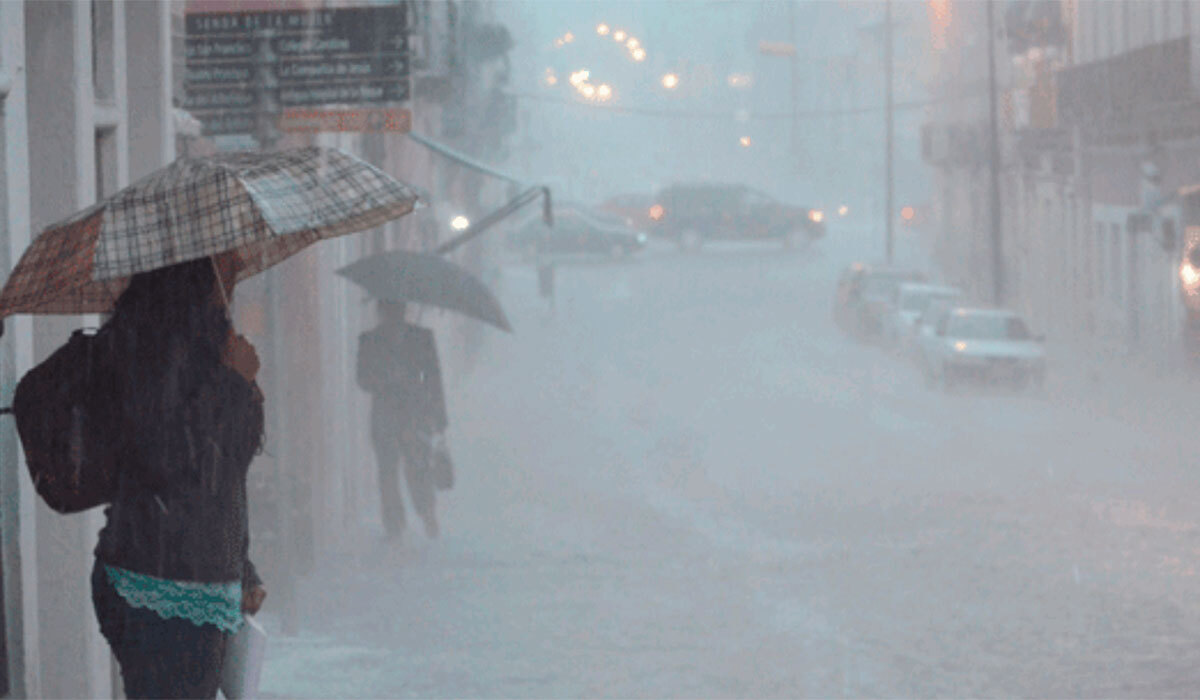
(984, 346)
(910, 302)
(577, 231)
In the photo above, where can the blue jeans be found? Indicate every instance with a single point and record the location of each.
(159, 658)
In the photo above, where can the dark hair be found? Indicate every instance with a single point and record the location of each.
(168, 335)
(168, 316)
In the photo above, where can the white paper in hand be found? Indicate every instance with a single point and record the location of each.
(244, 656)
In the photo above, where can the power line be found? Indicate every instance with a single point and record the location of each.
(726, 115)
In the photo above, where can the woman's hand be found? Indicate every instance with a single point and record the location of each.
(252, 599)
(241, 356)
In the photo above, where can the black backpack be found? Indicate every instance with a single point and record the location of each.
(66, 413)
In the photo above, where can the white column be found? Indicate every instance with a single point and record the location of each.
(62, 119)
(17, 499)
(147, 72)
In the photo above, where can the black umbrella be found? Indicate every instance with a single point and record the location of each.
(424, 278)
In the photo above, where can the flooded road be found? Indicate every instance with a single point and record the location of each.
(687, 482)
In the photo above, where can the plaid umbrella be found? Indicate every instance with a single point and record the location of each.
(256, 208)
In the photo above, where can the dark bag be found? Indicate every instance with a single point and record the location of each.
(442, 465)
(65, 414)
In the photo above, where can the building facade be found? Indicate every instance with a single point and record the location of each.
(1099, 162)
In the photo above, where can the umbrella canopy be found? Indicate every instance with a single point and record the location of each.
(425, 278)
(254, 208)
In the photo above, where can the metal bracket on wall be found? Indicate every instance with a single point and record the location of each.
(496, 216)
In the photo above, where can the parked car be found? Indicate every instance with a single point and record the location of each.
(693, 214)
(985, 346)
(875, 294)
(577, 231)
(926, 324)
(632, 208)
(909, 302)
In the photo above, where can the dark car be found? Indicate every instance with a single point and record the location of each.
(577, 231)
(864, 294)
(632, 208)
(692, 214)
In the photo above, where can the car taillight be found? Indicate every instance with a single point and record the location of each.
(656, 212)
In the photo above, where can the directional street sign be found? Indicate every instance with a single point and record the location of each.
(241, 65)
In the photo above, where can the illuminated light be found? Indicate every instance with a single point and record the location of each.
(907, 213)
(960, 346)
(740, 80)
(1190, 276)
(579, 77)
(639, 54)
(633, 43)
(745, 141)
(670, 81)
(656, 212)
(619, 36)
(558, 43)
(843, 210)
(940, 19)
(589, 91)
(551, 80)
(604, 91)
(568, 37)
(460, 223)
(602, 29)
(816, 216)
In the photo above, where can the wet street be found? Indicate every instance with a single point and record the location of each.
(688, 482)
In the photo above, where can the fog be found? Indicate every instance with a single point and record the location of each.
(814, 387)
(688, 474)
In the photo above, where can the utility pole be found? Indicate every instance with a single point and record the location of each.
(994, 149)
(889, 205)
(792, 80)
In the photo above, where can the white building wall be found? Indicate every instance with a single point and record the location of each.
(17, 499)
(62, 124)
(70, 88)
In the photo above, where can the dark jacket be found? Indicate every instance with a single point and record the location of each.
(398, 364)
(180, 509)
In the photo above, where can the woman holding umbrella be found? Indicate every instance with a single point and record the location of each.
(172, 577)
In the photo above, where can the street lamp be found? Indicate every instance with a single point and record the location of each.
(602, 29)
(568, 37)
(604, 92)
(745, 141)
(619, 36)
(670, 81)
(639, 54)
(460, 223)
(633, 43)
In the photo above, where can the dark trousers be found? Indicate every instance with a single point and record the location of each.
(391, 444)
(159, 658)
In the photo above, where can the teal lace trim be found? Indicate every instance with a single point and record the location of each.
(217, 604)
